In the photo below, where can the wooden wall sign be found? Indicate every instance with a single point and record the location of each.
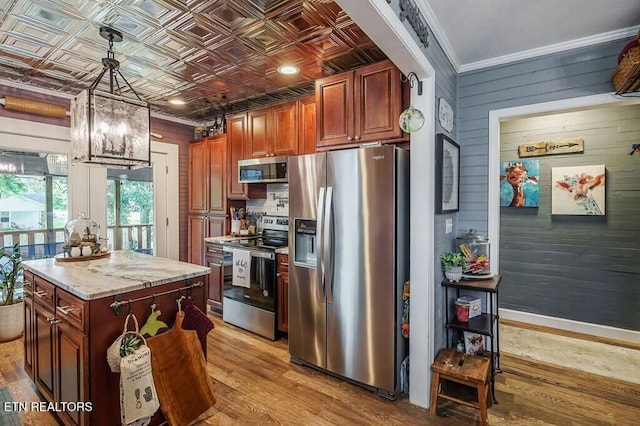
(563, 146)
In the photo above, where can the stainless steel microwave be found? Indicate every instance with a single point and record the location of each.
(259, 170)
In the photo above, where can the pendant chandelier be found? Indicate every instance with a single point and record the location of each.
(107, 128)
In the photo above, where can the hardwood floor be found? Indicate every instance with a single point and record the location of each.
(256, 384)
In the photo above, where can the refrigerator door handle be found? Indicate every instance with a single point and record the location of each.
(319, 247)
(327, 258)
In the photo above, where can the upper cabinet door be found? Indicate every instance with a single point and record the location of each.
(207, 175)
(359, 106)
(378, 102)
(307, 126)
(334, 106)
(258, 144)
(198, 176)
(236, 139)
(284, 129)
(217, 174)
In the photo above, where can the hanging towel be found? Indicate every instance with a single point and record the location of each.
(241, 268)
(195, 319)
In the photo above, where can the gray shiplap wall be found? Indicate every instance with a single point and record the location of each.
(583, 268)
(446, 82)
(571, 74)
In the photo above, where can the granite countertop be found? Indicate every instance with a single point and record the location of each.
(123, 271)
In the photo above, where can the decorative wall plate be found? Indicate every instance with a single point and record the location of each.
(445, 115)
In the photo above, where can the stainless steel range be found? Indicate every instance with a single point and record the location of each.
(250, 296)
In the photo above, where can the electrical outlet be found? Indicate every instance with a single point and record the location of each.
(448, 227)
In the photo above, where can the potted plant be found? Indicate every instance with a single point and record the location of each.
(452, 264)
(11, 311)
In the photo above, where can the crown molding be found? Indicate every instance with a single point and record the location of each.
(438, 33)
(552, 48)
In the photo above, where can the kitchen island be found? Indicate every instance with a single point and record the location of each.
(75, 310)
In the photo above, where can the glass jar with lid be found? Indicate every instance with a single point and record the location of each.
(81, 230)
(475, 248)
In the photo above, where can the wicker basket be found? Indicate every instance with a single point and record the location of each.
(626, 77)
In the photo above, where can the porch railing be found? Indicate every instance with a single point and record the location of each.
(39, 243)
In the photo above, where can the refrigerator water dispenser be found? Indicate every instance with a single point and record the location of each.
(305, 243)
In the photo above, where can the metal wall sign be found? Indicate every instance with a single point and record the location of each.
(564, 146)
(410, 12)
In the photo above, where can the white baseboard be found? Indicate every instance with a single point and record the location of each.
(571, 325)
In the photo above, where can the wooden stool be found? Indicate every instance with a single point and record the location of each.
(469, 370)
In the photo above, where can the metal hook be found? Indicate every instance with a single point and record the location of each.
(180, 299)
(153, 303)
(130, 308)
(410, 80)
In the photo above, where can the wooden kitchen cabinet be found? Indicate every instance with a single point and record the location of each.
(236, 144)
(29, 355)
(236, 140)
(200, 227)
(215, 260)
(283, 292)
(307, 126)
(60, 348)
(359, 106)
(208, 163)
(207, 175)
(272, 131)
(71, 336)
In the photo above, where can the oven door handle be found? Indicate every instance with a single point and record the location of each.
(263, 254)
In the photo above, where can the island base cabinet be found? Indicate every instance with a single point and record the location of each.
(71, 362)
(61, 361)
(70, 340)
(44, 351)
(28, 335)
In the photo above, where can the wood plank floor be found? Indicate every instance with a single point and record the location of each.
(256, 384)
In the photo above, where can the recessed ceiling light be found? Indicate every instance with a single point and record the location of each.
(288, 69)
(177, 102)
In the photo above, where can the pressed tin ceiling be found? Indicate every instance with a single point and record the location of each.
(214, 54)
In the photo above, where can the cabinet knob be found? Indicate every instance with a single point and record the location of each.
(349, 138)
(356, 138)
(53, 320)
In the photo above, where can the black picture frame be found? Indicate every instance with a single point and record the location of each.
(447, 174)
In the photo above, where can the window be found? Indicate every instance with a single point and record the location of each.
(33, 202)
(130, 209)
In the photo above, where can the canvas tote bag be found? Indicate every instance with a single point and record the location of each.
(180, 373)
(138, 397)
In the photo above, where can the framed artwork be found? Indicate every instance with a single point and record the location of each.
(474, 343)
(519, 183)
(447, 174)
(578, 190)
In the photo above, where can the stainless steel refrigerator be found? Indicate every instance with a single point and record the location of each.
(348, 260)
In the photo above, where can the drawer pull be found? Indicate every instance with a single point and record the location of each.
(27, 283)
(40, 293)
(65, 310)
(53, 320)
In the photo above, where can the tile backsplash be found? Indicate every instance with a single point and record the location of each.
(277, 202)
